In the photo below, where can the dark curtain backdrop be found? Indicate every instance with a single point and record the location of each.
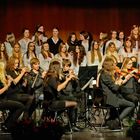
(14, 16)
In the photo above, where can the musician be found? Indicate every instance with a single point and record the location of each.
(35, 77)
(55, 91)
(35, 81)
(17, 91)
(111, 88)
(15, 107)
(130, 89)
(72, 89)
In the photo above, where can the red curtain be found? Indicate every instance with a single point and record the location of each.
(15, 16)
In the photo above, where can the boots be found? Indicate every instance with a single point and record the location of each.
(73, 118)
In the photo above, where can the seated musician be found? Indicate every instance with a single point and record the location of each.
(111, 89)
(15, 108)
(35, 82)
(17, 91)
(54, 86)
(35, 78)
(129, 89)
(72, 90)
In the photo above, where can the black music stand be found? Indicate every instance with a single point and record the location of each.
(135, 65)
(119, 65)
(86, 75)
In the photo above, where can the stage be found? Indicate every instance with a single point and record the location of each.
(86, 134)
(92, 134)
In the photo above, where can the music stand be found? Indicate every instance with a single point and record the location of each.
(119, 65)
(86, 75)
(135, 65)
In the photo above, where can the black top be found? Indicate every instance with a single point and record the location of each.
(18, 88)
(110, 89)
(50, 90)
(3, 94)
(54, 46)
(35, 81)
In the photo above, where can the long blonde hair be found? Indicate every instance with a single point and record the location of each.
(124, 64)
(108, 66)
(93, 53)
(2, 72)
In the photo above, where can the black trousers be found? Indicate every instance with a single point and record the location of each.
(15, 110)
(26, 99)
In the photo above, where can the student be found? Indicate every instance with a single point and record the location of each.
(17, 91)
(130, 90)
(54, 87)
(16, 108)
(35, 82)
(111, 88)
(54, 41)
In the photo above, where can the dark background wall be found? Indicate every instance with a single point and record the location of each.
(69, 15)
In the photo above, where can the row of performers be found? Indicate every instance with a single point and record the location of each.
(20, 89)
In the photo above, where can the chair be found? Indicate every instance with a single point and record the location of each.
(56, 116)
(104, 115)
(104, 111)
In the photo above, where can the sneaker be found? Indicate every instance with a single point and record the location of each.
(125, 122)
(75, 129)
(67, 130)
(5, 129)
(114, 125)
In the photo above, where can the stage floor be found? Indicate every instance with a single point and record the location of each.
(87, 134)
(105, 134)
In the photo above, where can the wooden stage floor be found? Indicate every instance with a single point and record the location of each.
(105, 134)
(87, 134)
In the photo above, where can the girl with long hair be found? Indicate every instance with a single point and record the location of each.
(3, 53)
(16, 108)
(79, 58)
(111, 89)
(94, 57)
(53, 91)
(19, 86)
(45, 56)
